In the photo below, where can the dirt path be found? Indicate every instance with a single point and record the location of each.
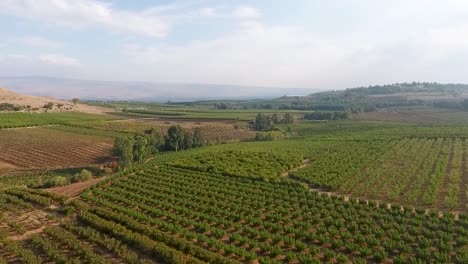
(75, 189)
(30, 232)
(304, 164)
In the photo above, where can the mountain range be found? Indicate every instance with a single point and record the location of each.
(139, 91)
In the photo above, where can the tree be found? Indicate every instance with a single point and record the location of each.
(187, 141)
(262, 123)
(84, 175)
(198, 140)
(140, 148)
(155, 141)
(123, 149)
(276, 118)
(49, 105)
(75, 100)
(174, 138)
(57, 181)
(288, 118)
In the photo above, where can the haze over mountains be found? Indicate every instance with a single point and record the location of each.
(141, 91)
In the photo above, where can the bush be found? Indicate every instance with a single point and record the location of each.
(57, 181)
(84, 175)
(269, 136)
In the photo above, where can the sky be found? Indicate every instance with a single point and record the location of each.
(316, 44)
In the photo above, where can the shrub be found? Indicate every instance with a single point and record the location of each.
(57, 181)
(84, 175)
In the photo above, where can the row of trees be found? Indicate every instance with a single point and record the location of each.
(263, 122)
(136, 148)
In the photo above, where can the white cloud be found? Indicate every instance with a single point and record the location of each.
(45, 64)
(246, 11)
(254, 55)
(36, 41)
(86, 13)
(59, 60)
(40, 60)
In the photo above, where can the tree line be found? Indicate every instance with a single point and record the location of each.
(264, 122)
(137, 148)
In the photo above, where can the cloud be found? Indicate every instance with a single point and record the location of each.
(55, 60)
(245, 11)
(44, 64)
(59, 60)
(253, 55)
(40, 42)
(86, 14)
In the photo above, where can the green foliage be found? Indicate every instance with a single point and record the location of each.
(10, 107)
(155, 141)
(175, 138)
(317, 115)
(198, 140)
(84, 175)
(11, 120)
(57, 181)
(123, 149)
(203, 208)
(261, 165)
(269, 136)
(262, 123)
(140, 148)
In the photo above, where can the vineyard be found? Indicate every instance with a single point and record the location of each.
(336, 193)
(14, 120)
(39, 148)
(174, 215)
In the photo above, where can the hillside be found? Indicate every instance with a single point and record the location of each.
(373, 98)
(11, 101)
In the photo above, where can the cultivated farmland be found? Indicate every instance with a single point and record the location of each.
(47, 148)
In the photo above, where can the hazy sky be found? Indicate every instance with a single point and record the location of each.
(326, 44)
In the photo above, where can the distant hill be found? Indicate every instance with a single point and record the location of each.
(11, 101)
(138, 91)
(372, 98)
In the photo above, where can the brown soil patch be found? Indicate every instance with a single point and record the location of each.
(5, 165)
(47, 148)
(7, 96)
(75, 189)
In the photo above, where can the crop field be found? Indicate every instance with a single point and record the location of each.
(420, 115)
(12, 120)
(214, 131)
(336, 192)
(38, 148)
(412, 171)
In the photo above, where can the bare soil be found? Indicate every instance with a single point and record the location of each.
(5, 165)
(75, 189)
(7, 96)
(46, 148)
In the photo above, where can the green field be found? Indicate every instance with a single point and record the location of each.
(350, 191)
